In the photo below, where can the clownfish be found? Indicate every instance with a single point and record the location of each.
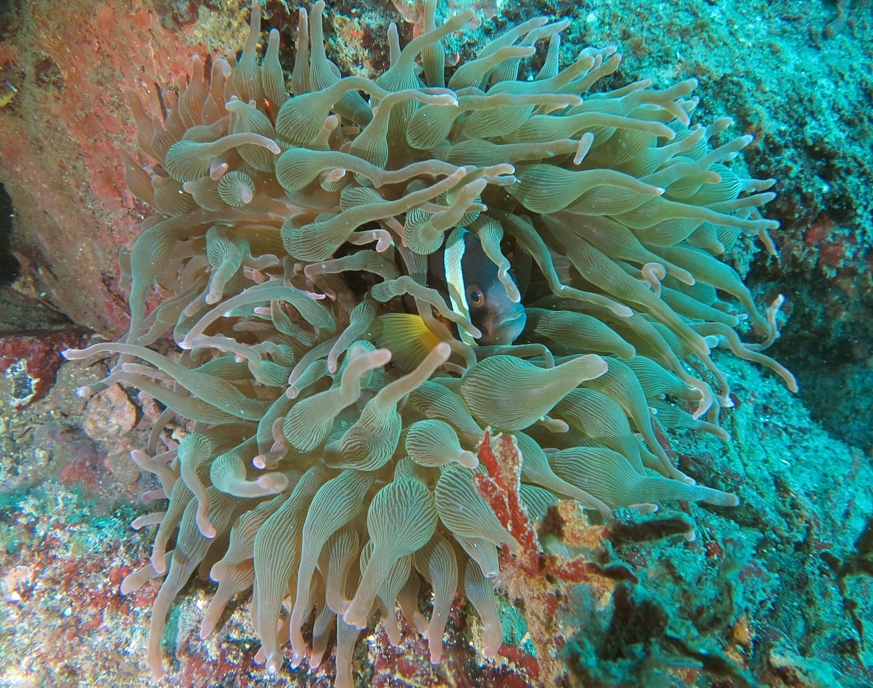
(477, 288)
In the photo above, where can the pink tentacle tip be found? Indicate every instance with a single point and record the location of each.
(217, 170)
(205, 527)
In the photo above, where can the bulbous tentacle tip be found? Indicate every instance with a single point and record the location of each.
(493, 642)
(206, 529)
(159, 564)
(355, 618)
(469, 460)
(682, 477)
(206, 628)
(273, 483)
(157, 667)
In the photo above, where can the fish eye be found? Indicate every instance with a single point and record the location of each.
(475, 297)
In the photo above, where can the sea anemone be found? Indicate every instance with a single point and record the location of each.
(337, 394)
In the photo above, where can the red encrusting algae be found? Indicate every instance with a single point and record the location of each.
(32, 361)
(534, 576)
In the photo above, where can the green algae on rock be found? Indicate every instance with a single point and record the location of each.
(306, 454)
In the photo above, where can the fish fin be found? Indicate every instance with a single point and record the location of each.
(406, 336)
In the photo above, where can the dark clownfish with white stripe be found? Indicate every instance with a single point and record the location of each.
(475, 287)
(491, 297)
